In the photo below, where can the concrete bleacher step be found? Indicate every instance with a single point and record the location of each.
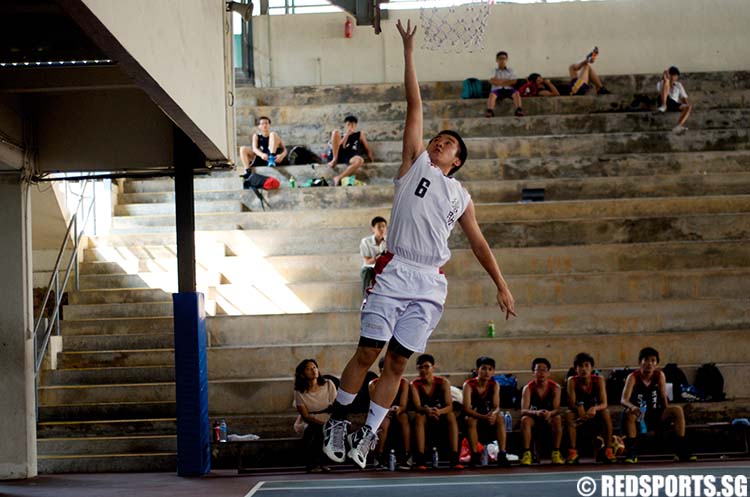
(120, 295)
(714, 82)
(332, 114)
(107, 427)
(561, 189)
(97, 445)
(106, 411)
(590, 144)
(274, 395)
(108, 463)
(115, 375)
(511, 233)
(125, 341)
(540, 125)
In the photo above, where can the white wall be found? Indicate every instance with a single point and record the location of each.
(180, 43)
(634, 36)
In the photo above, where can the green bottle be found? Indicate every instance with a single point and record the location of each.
(292, 182)
(491, 329)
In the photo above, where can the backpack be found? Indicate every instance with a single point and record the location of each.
(677, 378)
(302, 155)
(510, 395)
(472, 88)
(616, 384)
(710, 381)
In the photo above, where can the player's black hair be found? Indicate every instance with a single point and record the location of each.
(351, 119)
(425, 358)
(501, 52)
(257, 121)
(581, 358)
(381, 363)
(540, 360)
(648, 352)
(673, 71)
(534, 76)
(300, 382)
(485, 360)
(376, 220)
(462, 150)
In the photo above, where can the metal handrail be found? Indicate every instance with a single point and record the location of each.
(54, 321)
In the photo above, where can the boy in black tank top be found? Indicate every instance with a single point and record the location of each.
(264, 144)
(482, 408)
(587, 399)
(433, 407)
(540, 403)
(399, 413)
(649, 385)
(349, 149)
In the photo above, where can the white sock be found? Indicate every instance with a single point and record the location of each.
(345, 398)
(376, 415)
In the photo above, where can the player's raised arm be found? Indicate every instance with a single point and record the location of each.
(486, 258)
(413, 144)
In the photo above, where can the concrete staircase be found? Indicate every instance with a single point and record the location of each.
(642, 240)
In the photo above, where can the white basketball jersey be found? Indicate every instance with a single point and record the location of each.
(426, 207)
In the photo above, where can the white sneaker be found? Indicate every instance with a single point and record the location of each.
(663, 108)
(361, 442)
(334, 439)
(678, 130)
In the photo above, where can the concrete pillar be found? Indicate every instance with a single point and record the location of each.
(17, 409)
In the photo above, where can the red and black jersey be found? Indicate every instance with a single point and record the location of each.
(546, 400)
(587, 395)
(436, 398)
(649, 393)
(482, 402)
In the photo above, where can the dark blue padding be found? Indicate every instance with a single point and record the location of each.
(191, 385)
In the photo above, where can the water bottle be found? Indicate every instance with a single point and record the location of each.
(392, 460)
(271, 160)
(485, 456)
(435, 458)
(292, 182)
(642, 418)
(223, 431)
(491, 329)
(508, 422)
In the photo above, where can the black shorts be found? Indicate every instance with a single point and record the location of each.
(486, 432)
(346, 155)
(673, 105)
(502, 93)
(654, 419)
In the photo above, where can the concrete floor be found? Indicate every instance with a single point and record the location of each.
(540, 481)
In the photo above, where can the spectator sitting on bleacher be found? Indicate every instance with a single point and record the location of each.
(537, 86)
(482, 407)
(313, 394)
(540, 404)
(399, 413)
(673, 97)
(587, 398)
(646, 404)
(503, 80)
(582, 74)
(433, 407)
(348, 149)
(267, 148)
(371, 248)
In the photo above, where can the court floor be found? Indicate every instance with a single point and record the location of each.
(538, 481)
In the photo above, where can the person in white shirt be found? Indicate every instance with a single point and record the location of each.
(503, 80)
(371, 248)
(673, 97)
(406, 302)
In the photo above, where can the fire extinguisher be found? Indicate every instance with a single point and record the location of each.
(348, 28)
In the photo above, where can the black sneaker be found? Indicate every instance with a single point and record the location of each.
(603, 91)
(519, 112)
(502, 460)
(489, 113)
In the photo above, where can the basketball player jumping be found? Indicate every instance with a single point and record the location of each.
(406, 301)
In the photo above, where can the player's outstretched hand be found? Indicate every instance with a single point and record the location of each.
(506, 302)
(407, 35)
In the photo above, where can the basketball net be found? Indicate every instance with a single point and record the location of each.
(455, 28)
